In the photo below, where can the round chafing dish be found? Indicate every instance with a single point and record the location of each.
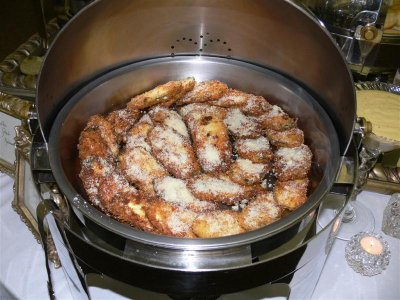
(116, 50)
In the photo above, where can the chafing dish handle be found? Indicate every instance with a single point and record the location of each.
(16, 107)
(20, 109)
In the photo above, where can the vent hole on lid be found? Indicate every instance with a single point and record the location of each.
(195, 43)
(211, 41)
(172, 47)
(229, 49)
(177, 40)
(218, 40)
(200, 50)
(183, 38)
(201, 36)
(207, 33)
(205, 45)
(224, 43)
(190, 40)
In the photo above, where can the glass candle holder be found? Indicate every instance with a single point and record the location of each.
(367, 253)
(391, 217)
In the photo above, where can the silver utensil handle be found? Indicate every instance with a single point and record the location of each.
(44, 208)
(50, 211)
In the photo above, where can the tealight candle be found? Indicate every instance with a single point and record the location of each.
(367, 253)
(372, 245)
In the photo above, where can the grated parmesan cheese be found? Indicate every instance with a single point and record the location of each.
(170, 145)
(201, 189)
(177, 224)
(175, 191)
(174, 121)
(275, 111)
(239, 124)
(145, 119)
(187, 109)
(293, 157)
(216, 186)
(249, 167)
(141, 165)
(232, 98)
(256, 105)
(171, 119)
(209, 157)
(258, 144)
(137, 141)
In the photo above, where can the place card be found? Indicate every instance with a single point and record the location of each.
(7, 142)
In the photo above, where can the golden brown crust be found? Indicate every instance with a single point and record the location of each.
(174, 151)
(138, 136)
(257, 150)
(123, 202)
(169, 118)
(196, 111)
(92, 145)
(217, 224)
(186, 110)
(292, 163)
(245, 172)
(218, 189)
(146, 188)
(122, 120)
(291, 194)
(94, 170)
(249, 104)
(166, 93)
(170, 219)
(242, 126)
(232, 98)
(210, 139)
(175, 191)
(290, 138)
(98, 139)
(106, 132)
(276, 119)
(141, 168)
(256, 106)
(165, 170)
(203, 92)
(260, 212)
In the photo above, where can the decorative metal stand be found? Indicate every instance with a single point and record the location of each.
(19, 70)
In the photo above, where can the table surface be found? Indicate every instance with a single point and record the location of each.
(23, 274)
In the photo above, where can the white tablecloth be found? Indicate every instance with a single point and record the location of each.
(23, 274)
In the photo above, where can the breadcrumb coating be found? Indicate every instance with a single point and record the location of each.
(195, 160)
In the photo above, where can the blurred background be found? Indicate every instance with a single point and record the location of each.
(18, 21)
(367, 32)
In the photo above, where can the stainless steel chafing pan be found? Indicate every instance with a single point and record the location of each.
(113, 50)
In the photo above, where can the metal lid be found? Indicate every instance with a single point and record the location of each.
(276, 34)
